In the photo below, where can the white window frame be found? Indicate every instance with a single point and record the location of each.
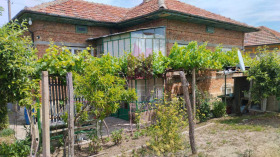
(72, 49)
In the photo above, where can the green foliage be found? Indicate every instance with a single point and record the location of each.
(59, 60)
(21, 148)
(17, 68)
(95, 143)
(165, 134)
(219, 109)
(201, 58)
(204, 112)
(6, 132)
(160, 63)
(265, 74)
(117, 136)
(1, 10)
(101, 86)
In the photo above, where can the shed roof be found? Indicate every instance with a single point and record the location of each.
(265, 36)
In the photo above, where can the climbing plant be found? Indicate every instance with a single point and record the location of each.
(102, 87)
(17, 68)
(265, 74)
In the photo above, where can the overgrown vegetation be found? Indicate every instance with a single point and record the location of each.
(265, 74)
(117, 136)
(17, 66)
(6, 132)
(166, 133)
(20, 148)
(219, 109)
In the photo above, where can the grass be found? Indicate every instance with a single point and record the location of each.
(240, 123)
(7, 132)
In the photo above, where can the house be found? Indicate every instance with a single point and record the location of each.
(153, 25)
(264, 37)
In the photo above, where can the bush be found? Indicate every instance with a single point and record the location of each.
(20, 148)
(4, 119)
(95, 143)
(117, 136)
(165, 134)
(204, 112)
(219, 109)
(6, 132)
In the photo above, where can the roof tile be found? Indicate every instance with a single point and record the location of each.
(263, 37)
(106, 13)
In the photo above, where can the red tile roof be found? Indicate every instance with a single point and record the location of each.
(106, 13)
(82, 9)
(263, 37)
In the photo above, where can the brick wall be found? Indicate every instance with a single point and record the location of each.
(184, 32)
(63, 34)
(210, 82)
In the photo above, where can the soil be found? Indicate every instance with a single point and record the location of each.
(248, 136)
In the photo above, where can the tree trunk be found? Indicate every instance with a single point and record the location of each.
(193, 93)
(185, 85)
(107, 128)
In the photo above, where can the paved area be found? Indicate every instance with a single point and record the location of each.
(17, 123)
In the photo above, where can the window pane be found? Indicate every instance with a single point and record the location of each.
(156, 45)
(160, 32)
(107, 39)
(141, 90)
(149, 33)
(135, 46)
(137, 34)
(110, 48)
(121, 48)
(116, 48)
(142, 46)
(149, 47)
(162, 47)
(105, 48)
(127, 45)
(126, 35)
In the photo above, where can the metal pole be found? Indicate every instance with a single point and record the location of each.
(9, 10)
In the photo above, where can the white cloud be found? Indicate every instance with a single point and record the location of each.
(253, 12)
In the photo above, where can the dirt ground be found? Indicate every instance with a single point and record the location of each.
(246, 136)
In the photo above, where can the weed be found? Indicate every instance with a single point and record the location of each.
(117, 136)
(6, 132)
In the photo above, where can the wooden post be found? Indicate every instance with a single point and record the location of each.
(185, 85)
(193, 93)
(70, 115)
(45, 114)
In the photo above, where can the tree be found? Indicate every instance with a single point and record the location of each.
(1, 10)
(265, 74)
(17, 60)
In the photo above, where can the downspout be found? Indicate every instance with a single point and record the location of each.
(32, 37)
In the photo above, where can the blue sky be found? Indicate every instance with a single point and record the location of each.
(252, 12)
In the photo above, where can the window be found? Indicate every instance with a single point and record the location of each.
(81, 29)
(76, 50)
(229, 89)
(144, 41)
(210, 29)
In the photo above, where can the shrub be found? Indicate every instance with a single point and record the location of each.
(6, 132)
(165, 134)
(95, 143)
(117, 136)
(219, 109)
(204, 112)
(20, 148)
